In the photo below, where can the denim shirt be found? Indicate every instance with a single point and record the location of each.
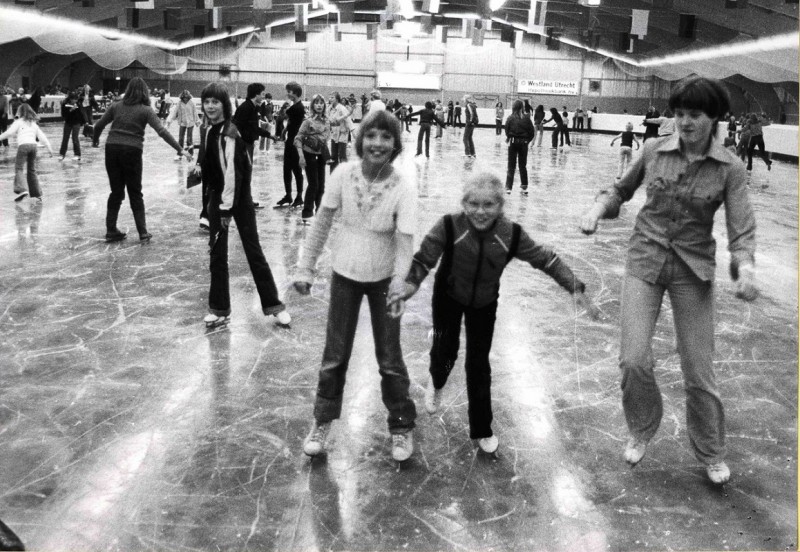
(678, 214)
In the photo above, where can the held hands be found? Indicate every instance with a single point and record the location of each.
(745, 284)
(589, 220)
(187, 155)
(399, 291)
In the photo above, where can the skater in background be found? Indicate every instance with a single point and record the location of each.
(438, 110)
(427, 117)
(471, 112)
(88, 105)
(457, 115)
(227, 167)
(295, 114)
(266, 120)
(688, 176)
(626, 139)
(371, 256)
(341, 122)
(124, 145)
(519, 133)
(311, 144)
(26, 129)
(650, 129)
(538, 124)
(73, 120)
(756, 123)
(666, 123)
(450, 111)
(557, 130)
(186, 114)
(467, 286)
(499, 113)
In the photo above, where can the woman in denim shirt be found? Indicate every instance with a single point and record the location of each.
(688, 176)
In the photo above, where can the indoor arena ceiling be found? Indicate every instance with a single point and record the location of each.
(717, 22)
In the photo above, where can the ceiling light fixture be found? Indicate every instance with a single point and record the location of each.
(495, 5)
(787, 41)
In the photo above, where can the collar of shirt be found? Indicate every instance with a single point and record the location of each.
(715, 150)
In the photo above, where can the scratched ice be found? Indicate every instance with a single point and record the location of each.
(124, 425)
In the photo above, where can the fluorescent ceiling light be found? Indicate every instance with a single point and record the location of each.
(49, 23)
(786, 41)
(495, 5)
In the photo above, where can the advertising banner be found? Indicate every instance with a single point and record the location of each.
(559, 88)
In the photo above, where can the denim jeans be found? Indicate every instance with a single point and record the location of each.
(187, 132)
(338, 153)
(424, 130)
(315, 175)
(74, 131)
(517, 149)
(26, 153)
(345, 303)
(124, 168)
(479, 324)
(469, 145)
(693, 311)
(219, 297)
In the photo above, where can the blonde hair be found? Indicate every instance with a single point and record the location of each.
(484, 180)
(26, 112)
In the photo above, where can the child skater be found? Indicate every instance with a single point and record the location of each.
(226, 169)
(625, 148)
(475, 246)
(371, 256)
(26, 129)
(688, 176)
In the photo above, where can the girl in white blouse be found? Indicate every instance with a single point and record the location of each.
(371, 256)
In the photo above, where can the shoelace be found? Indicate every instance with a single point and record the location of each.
(399, 440)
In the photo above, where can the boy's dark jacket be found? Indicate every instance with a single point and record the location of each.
(479, 259)
(236, 167)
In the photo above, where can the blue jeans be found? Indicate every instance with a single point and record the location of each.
(693, 311)
(346, 296)
(26, 153)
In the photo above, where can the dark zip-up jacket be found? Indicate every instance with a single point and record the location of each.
(72, 116)
(427, 117)
(227, 174)
(479, 259)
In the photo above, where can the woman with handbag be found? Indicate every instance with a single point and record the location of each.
(312, 146)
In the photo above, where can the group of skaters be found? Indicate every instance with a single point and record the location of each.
(672, 249)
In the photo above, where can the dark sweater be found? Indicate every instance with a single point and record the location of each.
(427, 117)
(71, 114)
(128, 123)
(479, 259)
(246, 120)
(294, 118)
(519, 127)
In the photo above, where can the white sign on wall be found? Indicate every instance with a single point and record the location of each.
(558, 88)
